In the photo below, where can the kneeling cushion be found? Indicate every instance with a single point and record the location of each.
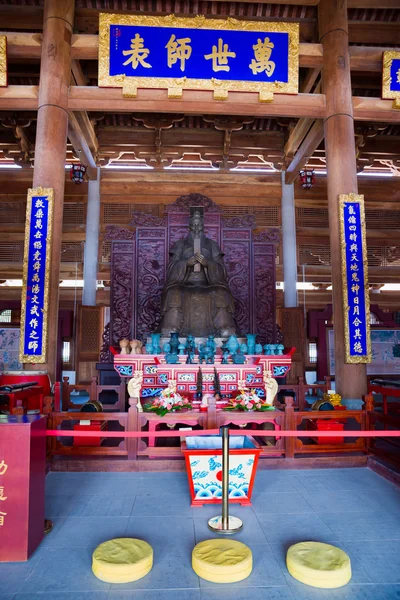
(222, 560)
(122, 560)
(319, 565)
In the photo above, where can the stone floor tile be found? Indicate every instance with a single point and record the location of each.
(64, 570)
(277, 503)
(88, 532)
(291, 528)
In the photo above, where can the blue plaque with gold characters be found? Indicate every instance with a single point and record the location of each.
(3, 61)
(354, 279)
(196, 53)
(35, 286)
(391, 76)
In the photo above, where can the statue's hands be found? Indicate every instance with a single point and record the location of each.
(191, 261)
(201, 259)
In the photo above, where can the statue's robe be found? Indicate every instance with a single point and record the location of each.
(197, 303)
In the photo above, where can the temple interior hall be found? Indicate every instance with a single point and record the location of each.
(199, 299)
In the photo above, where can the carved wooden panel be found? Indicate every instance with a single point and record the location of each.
(264, 293)
(123, 290)
(90, 329)
(236, 245)
(150, 278)
(89, 332)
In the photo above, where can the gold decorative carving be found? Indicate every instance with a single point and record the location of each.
(355, 198)
(387, 93)
(220, 94)
(265, 96)
(49, 192)
(396, 103)
(129, 90)
(199, 22)
(175, 92)
(3, 60)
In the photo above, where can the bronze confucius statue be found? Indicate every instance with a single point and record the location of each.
(196, 298)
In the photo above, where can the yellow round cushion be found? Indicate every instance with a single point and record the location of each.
(319, 565)
(122, 560)
(222, 560)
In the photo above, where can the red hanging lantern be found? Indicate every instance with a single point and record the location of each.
(307, 178)
(77, 173)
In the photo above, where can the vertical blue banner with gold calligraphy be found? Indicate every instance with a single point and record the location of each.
(355, 279)
(35, 287)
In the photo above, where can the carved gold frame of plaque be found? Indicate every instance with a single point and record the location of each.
(3, 61)
(176, 85)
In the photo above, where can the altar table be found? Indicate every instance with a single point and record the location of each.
(156, 373)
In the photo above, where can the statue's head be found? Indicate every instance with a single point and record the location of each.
(196, 224)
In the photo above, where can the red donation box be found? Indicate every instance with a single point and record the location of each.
(22, 475)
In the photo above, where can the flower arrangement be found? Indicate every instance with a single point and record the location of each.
(247, 401)
(168, 401)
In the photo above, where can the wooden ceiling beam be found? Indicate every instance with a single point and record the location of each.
(78, 74)
(194, 102)
(296, 137)
(372, 4)
(285, 2)
(125, 138)
(86, 47)
(375, 110)
(306, 149)
(310, 80)
(88, 131)
(374, 32)
(80, 144)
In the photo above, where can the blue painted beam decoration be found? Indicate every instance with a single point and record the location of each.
(391, 75)
(3, 61)
(36, 273)
(197, 53)
(355, 288)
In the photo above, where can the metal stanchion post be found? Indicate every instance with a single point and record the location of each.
(225, 524)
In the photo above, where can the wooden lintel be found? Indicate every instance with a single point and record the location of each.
(287, 2)
(307, 148)
(25, 97)
(374, 110)
(86, 47)
(195, 102)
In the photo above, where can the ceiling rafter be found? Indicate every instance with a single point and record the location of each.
(81, 132)
(307, 148)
